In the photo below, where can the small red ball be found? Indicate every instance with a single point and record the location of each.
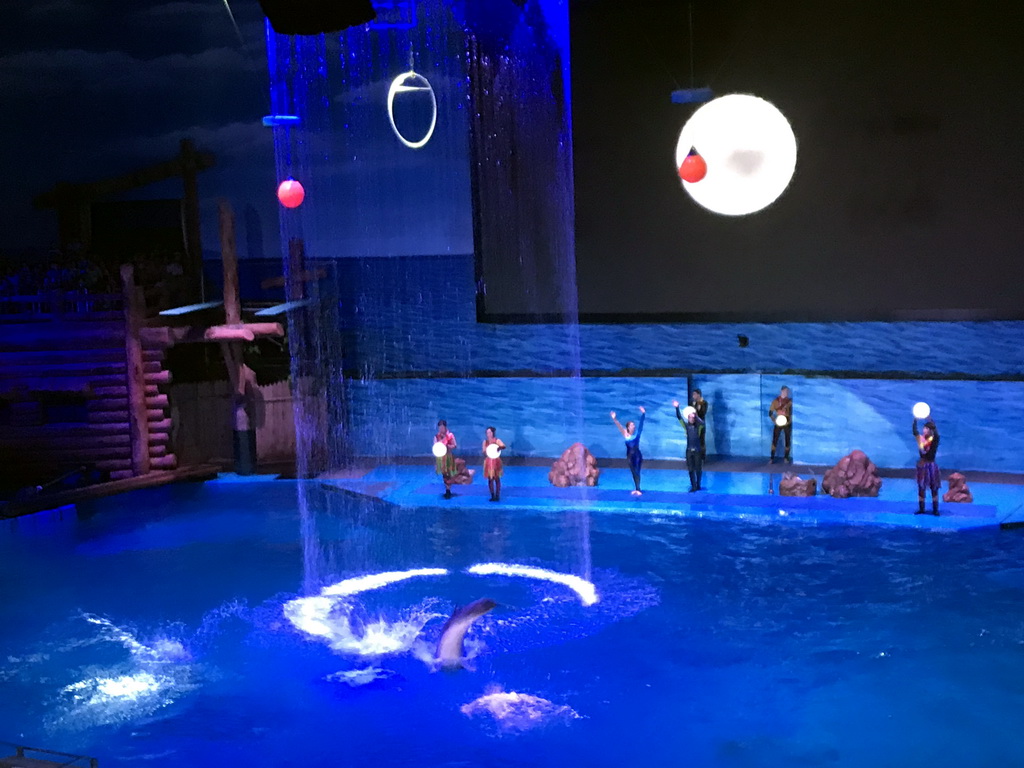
(693, 168)
(290, 193)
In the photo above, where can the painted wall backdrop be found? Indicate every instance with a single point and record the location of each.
(413, 353)
(853, 384)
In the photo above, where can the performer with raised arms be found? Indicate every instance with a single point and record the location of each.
(631, 434)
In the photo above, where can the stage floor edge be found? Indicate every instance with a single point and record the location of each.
(747, 496)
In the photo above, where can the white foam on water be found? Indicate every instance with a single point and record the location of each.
(161, 650)
(359, 677)
(333, 619)
(514, 712)
(155, 674)
(335, 623)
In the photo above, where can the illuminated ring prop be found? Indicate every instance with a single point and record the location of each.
(750, 152)
(586, 591)
(317, 608)
(401, 84)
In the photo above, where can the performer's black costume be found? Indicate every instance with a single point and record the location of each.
(927, 470)
(694, 449)
(701, 407)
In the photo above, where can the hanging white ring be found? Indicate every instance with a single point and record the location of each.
(411, 81)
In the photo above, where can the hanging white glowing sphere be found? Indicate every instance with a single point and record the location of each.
(781, 421)
(412, 82)
(750, 151)
(922, 410)
(493, 451)
(440, 449)
(687, 411)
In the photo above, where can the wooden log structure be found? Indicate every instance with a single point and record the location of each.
(83, 382)
(109, 375)
(230, 335)
(138, 419)
(68, 388)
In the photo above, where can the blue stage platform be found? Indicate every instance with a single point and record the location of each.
(728, 496)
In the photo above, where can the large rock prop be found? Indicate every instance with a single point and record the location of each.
(854, 475)
(576, 466)
(958, 492)
(462, 475)
(794, 485)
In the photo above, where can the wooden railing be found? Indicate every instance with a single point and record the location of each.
(46, 757)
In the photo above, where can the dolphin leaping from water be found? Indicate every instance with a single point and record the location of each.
(449, 653)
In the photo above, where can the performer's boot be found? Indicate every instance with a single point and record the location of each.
(693, 481)
(935, 505)
(497, 489)
(447, 491)
(920, 505)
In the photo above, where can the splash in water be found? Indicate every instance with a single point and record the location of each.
(155, 674)
(513, 712)
(334, 619)
(160, 650)
(337, 623)
(359, 677)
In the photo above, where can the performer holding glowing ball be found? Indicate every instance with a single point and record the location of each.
(444, 459)
(928, 475)
(781, 413)
(493, 468)
(692, 424)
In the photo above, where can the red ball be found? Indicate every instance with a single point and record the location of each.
(693, 168)
(290, 193)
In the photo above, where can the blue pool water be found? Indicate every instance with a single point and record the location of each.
(151, 629)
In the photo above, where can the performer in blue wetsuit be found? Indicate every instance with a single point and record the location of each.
(631, 433)
(694, 426)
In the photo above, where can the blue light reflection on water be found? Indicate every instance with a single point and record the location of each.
(714, 643)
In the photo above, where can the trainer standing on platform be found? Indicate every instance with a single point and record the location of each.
(927, 469)
(693, 425)
(782, 406)
(700, 405)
